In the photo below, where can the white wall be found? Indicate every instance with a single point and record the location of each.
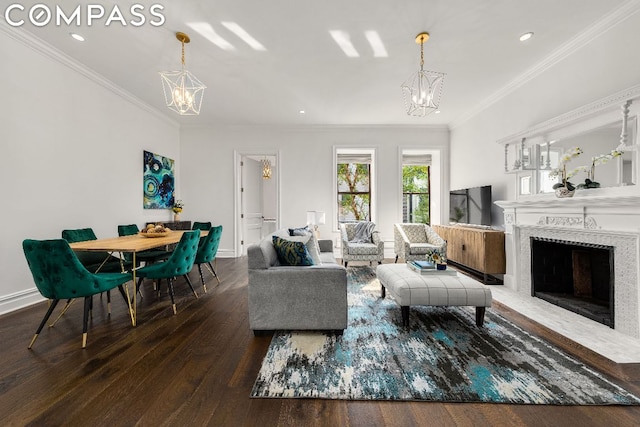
(604, 66)
(72, 157)
(305, 169)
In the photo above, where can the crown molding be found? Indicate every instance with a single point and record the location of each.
(315, 127)
(40, 46)
(564, 51)
(585, 112)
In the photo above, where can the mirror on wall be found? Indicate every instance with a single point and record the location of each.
(605, 131)
(595, 161)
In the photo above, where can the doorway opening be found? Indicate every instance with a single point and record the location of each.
(257, 207)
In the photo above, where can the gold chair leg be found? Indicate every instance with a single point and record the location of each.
(33, 340)
(64, 310)
(84, 340)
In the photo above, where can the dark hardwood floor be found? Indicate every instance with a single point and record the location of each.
(198, 367)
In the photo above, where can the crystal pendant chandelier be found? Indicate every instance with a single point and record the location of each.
(422, 89)
(266, 169)
(183, 92)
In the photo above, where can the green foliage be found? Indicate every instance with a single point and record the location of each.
(415, 179)
(354, 178)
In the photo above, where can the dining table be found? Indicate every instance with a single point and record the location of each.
(132, 244)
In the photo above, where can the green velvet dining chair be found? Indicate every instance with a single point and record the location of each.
(95, 262)
(207, 250)
(202, 226)
(59, 274)
(149, 256)
(179, 263)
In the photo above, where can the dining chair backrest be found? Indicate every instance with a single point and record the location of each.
(181, 260)
(128, 230)
(79, 235)
(209, 246)
(203, 226)
(57, 271)
(91, 260)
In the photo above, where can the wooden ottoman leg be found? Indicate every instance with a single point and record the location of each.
(405, 315)
(383, 291)
(480, 315)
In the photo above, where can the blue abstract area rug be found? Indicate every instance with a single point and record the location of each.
(443, 357)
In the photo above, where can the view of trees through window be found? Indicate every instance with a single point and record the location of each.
(415, 193)
(354, 192)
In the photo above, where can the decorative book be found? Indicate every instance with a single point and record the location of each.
(429, 269)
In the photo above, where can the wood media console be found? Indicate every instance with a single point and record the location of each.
(477, 250)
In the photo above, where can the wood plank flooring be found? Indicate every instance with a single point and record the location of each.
(197, 368)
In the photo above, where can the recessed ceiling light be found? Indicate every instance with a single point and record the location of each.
(302, 112)
(526, 36)
(437, 111)
(343, 40)
(77, 37)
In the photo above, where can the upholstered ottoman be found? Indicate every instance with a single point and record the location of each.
(410, 288)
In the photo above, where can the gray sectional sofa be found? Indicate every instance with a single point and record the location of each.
(295, 298)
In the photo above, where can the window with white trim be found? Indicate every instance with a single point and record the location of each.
(354, 184)
(416, 187)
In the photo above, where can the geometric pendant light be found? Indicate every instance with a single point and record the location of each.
(183, 92)
(422, 89)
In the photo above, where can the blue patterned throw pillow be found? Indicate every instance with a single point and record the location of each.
(292, 253)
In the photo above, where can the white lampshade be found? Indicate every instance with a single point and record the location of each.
(316, 218)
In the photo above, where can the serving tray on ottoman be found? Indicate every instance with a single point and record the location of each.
(411, 288)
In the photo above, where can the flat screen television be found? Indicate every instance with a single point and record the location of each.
(470, 205)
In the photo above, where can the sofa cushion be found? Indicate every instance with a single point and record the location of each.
(291, 252)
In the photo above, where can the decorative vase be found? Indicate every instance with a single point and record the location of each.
(563, 192)
(176, 216)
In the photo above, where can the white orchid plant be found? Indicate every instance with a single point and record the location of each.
(561, 170)
(590, 181)
(590, 170)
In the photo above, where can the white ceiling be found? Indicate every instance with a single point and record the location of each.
(474, 42)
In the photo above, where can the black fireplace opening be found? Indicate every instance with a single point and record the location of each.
(575, 276)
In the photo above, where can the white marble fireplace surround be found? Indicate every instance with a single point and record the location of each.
(604, 220)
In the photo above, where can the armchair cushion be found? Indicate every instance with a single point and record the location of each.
(413, 241)
(292, 253)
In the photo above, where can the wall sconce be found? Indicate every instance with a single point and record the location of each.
(266, 168)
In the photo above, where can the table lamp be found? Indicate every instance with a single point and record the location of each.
(315, 218)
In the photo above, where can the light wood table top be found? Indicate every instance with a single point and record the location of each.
(134, 243)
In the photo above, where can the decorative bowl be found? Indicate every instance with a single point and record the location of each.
(155, 234)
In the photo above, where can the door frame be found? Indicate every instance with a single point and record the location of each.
(237, 211)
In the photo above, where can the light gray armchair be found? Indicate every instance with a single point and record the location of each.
(369, 251)
(418, 242)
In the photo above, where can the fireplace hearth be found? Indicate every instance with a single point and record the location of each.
(576, 276)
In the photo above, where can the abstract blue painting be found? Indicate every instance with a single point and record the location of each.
(158, 180)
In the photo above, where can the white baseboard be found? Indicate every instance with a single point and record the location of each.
(19, 300)
(226, 253)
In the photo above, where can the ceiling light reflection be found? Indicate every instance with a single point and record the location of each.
(379, 51)
(343, 40)
(206, 30)
(243, 35)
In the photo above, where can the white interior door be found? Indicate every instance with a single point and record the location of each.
(251, 214)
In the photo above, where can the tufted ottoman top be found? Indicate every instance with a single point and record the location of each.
(410, 288)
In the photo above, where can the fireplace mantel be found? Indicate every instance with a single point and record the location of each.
(572, 202)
